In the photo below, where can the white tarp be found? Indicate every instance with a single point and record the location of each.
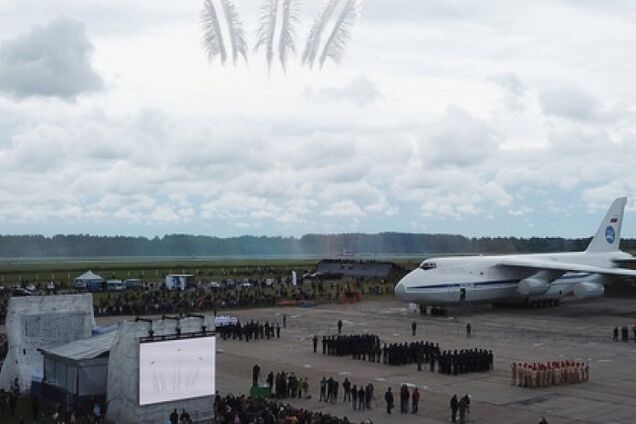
(85, 348)
(40, 322)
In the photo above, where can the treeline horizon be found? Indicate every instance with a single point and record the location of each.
(84, 245)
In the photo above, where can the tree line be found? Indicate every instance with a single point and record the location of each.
(83, 245)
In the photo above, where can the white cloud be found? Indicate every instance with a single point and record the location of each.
(442, 114)
(513, 89)
(360, 90)
(49, 61)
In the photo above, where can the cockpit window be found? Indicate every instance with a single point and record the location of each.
(428, 265)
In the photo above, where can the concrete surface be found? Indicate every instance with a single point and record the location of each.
(580, 331)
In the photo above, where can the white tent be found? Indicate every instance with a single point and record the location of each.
(79, 368)
(40, 322)
(88, 280)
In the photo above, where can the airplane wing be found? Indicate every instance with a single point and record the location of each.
(540, 265)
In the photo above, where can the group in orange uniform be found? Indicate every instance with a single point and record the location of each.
(550, 373)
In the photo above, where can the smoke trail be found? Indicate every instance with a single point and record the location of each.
(266, 29)
(212, 37)
(341, 33)
(235, 30)
(315, 34)
(287, 32)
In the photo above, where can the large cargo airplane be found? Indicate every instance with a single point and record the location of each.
(535, 279)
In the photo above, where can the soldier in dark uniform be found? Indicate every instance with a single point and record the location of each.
(615, 334)
(315, 343)
(354, 397)
(361, 398)
(414, 328)
(324, 345)
(346, 386)
(388, 398)
(339, 326)
(277, 330)
(454, 404)
(256, 374)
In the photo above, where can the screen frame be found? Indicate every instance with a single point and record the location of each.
(166, 338)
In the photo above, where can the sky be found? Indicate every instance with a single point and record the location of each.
(498, 117)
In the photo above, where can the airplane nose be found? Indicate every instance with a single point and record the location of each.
(399, 289)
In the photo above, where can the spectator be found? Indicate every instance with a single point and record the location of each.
(415, 397)
(388, 398)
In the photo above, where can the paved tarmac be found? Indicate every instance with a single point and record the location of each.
(580, 331)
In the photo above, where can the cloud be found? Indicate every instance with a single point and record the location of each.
(513, 89)
(458, 139)
(49, 61)
(361, 91)
(571, 103)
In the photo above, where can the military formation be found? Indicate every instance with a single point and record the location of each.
(465, 361)
(367, 347)
(252, 330)
(551, 373)
(359, 346)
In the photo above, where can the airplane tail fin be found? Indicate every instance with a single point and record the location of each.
(608, 235)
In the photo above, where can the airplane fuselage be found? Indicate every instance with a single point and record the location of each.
(480, 279)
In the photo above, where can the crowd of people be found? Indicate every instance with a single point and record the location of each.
(465, 361)
(550, 373)
(240, 409)
(252, 330)
(624, 333)
(368, 347)
(183, 418)
(359, 346)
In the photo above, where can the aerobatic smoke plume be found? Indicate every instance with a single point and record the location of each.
(213, 39)
(276, 32)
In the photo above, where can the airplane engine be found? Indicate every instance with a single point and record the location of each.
(533, 286)
(588, 290)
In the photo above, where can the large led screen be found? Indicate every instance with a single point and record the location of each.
(176, 369)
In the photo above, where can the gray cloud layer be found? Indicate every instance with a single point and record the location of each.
(49, 61)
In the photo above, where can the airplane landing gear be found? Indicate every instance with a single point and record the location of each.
(544, 303)
(434, 311)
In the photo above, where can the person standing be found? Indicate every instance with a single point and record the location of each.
(256, 375)
(469, 329)
(339, 326)
(388, 398)
(415, 399)
(354, 397)
(278, 330)
(315, 343)
(454, 405)
(414, 328)
(346, 386)
(464, 408)
(174, 417)
(361, 398)
(615, 334)
(405, 395)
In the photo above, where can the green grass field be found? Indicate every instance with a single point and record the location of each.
(65, 270)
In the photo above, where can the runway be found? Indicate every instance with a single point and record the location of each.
(580, 331)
